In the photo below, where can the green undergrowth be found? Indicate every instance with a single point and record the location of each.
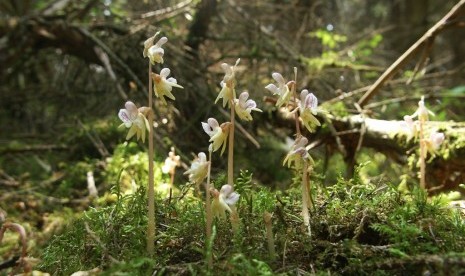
(357, 229)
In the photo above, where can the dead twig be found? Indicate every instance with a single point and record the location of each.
(23, 237)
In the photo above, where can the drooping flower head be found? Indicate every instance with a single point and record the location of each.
(422, 112)
(223, 200)
(298, 153)
(171, 162)
(134, 119)
(199, 169)
(218, 133)
(282, 90)
(163, 86)
(434, 142)
(228, 84)
(155, 51)
(308, 109)
(244, 106)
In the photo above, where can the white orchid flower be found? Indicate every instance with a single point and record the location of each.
(155, 51)
(199, 169)
(218, 133)
(245, 106)
(298, 153)
(228, 92)
(163, 86)
(223, 201)
(308, 109)
(434, 142)
(171, 162)
(410, 127)
(282, 90)
(422, 112)
(134, 119)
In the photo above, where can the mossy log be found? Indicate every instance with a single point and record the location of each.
(445, 168)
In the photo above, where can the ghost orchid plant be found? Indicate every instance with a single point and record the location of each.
(417, 128)
(140, 119)
(306, 109)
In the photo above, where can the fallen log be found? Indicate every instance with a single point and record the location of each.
(445, 169)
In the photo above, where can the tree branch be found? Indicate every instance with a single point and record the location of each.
(405, 57)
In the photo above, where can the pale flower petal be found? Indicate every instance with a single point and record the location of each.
(223, 200)
(298, 153)
(227, 92)
(199, 169)
(278, 78)
(282, 90)
(422, 112)
(308, 109)
(162, 87)
(244, 107)
(134, 120)
(218, 133)
(155, 52)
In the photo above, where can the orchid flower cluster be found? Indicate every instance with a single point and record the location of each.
(415, 129)
(305, 111)
(138, 120)
(307, 102)
(225, 199)
(307, 108)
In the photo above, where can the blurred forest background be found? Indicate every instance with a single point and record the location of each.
(67, 67)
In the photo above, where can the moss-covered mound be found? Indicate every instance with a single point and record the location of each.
(356, 230)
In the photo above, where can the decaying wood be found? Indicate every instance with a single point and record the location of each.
(389, 138)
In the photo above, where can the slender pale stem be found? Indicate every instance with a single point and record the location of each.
(422, 156)
(231, 147)
(150, 186)
(306, 198)
(296, 114)
(269, 235)
(208, 212)
(172, 173)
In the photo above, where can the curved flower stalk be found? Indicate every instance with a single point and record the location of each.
(218, 133)
(134, 119)
(155, 51)
(298, 153)
(308, 110)
(199, 169)
(282, 90)
(163, 86)
(228, 92)
(245, 106)
(223, 201)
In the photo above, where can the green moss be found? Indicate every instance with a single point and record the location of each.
(356, 229)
